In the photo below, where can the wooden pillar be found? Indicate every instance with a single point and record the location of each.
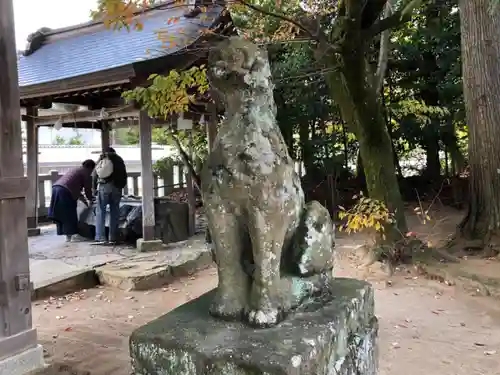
(32, 171)
(105, 140)
(17, 336)
(148, 208)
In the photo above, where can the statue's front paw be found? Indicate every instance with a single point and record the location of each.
(264, 318)
(227, 308)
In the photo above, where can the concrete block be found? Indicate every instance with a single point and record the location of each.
(146, 246)
(33, 232)
(334, 334)
(23, 363)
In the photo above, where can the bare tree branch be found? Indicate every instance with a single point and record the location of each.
(383, 56)
(397, 19)
(279, 16)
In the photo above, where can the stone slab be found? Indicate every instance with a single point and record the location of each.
(153, 270)
(33, 232)
(67, 283)
(23, 363)
(148, 246)
(335, 337)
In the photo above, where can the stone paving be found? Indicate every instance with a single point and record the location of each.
(52, 260)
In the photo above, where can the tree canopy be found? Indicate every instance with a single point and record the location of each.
(371, 90)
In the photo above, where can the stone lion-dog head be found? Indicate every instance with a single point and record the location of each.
(237, 65)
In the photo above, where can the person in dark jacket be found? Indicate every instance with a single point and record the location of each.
(65, 194)
(109, 192)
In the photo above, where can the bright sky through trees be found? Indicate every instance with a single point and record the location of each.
(30, 15)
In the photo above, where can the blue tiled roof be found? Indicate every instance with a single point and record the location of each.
(94, 48)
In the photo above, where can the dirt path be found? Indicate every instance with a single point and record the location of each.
(425, 327)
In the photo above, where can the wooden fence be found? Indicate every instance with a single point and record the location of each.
(162, 186)
(174, 179)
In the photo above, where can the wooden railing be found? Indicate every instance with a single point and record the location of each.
(174, 179)
(163, 185)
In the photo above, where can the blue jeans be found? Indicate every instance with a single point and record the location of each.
(107, 194)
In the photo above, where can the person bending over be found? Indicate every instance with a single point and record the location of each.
(109, 179)
(65, 194)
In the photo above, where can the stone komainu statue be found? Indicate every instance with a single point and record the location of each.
(272, 249)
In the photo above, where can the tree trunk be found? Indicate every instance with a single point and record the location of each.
(346, 146)
(388, 123)
(352, 90)
(360, 173)
(433, 163)
(480, 29)
(456, 159)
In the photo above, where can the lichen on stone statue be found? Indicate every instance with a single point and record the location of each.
(272, 249)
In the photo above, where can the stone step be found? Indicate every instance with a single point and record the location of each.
(79, 279)
(60, 369)
(146, 271)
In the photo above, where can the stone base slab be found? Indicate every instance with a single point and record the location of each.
(23, 363)
(33, 232)
(334, 334)
(149, 271)
(64, 284)
(148, 246)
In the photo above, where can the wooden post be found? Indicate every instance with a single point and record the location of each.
(32, 171)
(148, 207)
(17, 336)
(105, 140)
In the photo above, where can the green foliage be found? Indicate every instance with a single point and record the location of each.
(165, 165)
(259, 26)
(73, 141)
(423, 93)
(165, 136)
(58, 140)
(306, 109)
(76, 140)
(126, 136)
(171, 94)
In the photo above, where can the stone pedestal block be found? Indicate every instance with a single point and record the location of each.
(335, 333)
(147, 246)
(26, 362)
